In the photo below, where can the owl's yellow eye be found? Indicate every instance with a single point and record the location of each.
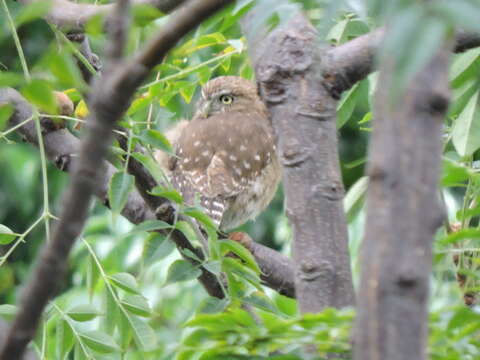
(226, 99)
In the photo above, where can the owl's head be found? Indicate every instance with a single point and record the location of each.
(228, 93)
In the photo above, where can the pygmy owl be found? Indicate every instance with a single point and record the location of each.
(227, 153)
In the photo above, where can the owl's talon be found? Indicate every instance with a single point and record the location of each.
(242, 238)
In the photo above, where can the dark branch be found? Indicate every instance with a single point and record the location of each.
(110, 98)
(62, 147)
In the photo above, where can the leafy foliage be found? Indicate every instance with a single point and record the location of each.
(130, 294)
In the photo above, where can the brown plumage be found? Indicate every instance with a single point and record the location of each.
(227, 153)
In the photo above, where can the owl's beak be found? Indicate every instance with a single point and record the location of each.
(205, 110)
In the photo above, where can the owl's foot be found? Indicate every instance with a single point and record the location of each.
(242, 238)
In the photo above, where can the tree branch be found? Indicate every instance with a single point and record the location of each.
(353, 61)
(110, 99)
(74, 16)
(403, 213)
(61, 148)
(303, 114)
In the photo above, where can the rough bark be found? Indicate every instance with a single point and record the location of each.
(403, 214)
(110, 98)
(288, 68)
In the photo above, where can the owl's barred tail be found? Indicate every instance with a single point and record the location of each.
(214, 208)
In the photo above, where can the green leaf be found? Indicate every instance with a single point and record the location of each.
(182, 270)
(99, 341)
(83, 313)
(462, 317)
(8, 311)
(212, 305)
(464, 66)
(261, 301)
(453, 173)
(150, 225)
(137, 305)
(466, 131)
(167, 193)
(93, 275)
(189, 253)
(188, 91)
(151, 165)
(6, 235)
(460, 235)
(347, 105)
(40, 93)
(143, 334)
(63, 66)
(234, 266)
(215, 267)
(157, 247)
(143, 14)
(200, 216)
(10, 79)
(353, 201)
(239, 250)
(32, 11)
(121, 184)
(186, 230)
(65, 339)
(139, 103)
(126, 282)
(111, 311)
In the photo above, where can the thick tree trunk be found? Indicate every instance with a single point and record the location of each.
(288, 69)
(403, 214)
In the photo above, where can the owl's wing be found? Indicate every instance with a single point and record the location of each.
(214, 184)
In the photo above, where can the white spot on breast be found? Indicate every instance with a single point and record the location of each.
(243, 148)
(237, 171)
(197, 159)
(186, 161)
(206, 153)
(230, 140)
(246, 164)
(196, 143)
(233, 157)
(257, 157)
